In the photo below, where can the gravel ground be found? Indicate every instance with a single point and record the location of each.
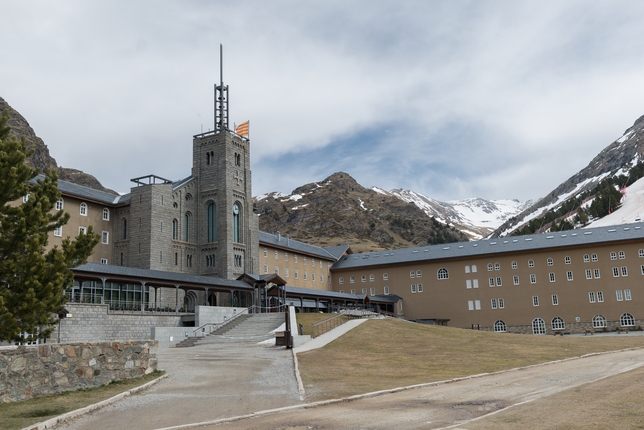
(454, 405)
(205, 382)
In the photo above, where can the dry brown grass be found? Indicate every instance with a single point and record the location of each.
(382, 354)
(612, 403)
(22, 414)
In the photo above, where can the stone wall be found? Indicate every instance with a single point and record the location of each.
(27, 372)
(95, 323)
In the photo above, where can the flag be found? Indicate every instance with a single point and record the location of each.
(242, 129)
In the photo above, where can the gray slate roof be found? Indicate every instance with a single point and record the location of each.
(572, 238)
(158, 275)
(297, 291)
(83, 192)
(287, 243)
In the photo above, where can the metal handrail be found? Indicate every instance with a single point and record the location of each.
(321, 327)
(222, 324)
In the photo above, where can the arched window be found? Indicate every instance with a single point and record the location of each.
(473, 268)
(106, 214)
(60, 203)
(83, 209)
(538, 326)
(599, 321)
(499, 326)
(175, 229)
(443, 273)
(530, 263)
(212, 223)
(188, 197)
(124, 228)
(186, 226)
(558, 323)
(236, 223)
(627, 320)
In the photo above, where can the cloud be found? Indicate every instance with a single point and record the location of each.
(451, 99)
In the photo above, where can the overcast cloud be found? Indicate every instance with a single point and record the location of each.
(452, 99)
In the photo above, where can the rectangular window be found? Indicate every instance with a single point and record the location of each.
(515, 279)
(312, 276)
(535, 301)
(622, 255)
(104, 261)
(627, 294)
(596, 273)
(555, 300)
(490, 267)
(498, 282)
(567, 260)
(624, 271)
(420, 288)
(470, 305)
(295, 258)
(364, 291)
(491, 281)
(591, 297)
(286, 272)
(286, 256)
(594, 257)
(551, 276)
(615, 272)
(82, 230)
(589, 274)
(613, 256)
(501, 303)
(569, 275)
(265, 268)
(385, 277)
(493, 303)
(306, 274)
(372, 278)
(475, 283)
(642, 268)
(296, 275)
(418, 273)
(533, 279)
(618, 293)
(412, 274)
(176, 260)
(477, 305)
(105, 237)
(468, 284)
(386, 291)
(276, 255)
(58, 231)
(413, 288)
(353, 291)
(586, 258)
(277, 270)
(372, 291)
(600, 296)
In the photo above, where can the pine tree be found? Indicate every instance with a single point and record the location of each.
(33, 278)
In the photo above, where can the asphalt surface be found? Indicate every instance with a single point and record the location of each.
(205, 382)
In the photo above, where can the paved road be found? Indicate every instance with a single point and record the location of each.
(206, 382)
(450, 405)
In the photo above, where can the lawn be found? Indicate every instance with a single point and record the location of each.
(382, 354)
(22, 414)
(308, 319)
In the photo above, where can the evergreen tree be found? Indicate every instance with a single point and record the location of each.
(33, 278)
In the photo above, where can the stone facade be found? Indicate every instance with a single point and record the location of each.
(27, 372)
(95, 323)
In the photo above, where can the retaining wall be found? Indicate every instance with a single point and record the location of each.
(27, 372)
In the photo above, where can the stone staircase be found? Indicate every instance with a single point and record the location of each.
(245, 329)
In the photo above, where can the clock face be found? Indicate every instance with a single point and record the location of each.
(235, 209)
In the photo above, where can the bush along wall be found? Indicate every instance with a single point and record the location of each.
(42, 370)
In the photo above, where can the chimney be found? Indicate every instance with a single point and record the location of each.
(279, 238)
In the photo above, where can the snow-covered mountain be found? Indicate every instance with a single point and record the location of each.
(614, 160)
(475, 217)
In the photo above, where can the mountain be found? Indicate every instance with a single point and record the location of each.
(41, 159)
(338, 210)
(618, 165)
(475, 217)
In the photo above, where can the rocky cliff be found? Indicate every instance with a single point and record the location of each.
(41, 159)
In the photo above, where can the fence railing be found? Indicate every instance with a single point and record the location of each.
(208, 328)
(126, 305)
(321, 327)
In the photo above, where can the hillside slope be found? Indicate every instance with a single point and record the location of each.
(338, 210)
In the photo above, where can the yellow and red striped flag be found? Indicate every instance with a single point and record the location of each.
(242, 129)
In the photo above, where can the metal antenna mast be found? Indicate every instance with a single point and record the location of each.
(221, 97)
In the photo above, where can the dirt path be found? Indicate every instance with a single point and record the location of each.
(452, 405)
(206, 382)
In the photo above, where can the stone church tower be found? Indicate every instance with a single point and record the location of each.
(203, 224)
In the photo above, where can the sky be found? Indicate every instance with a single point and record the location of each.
(498, 99)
